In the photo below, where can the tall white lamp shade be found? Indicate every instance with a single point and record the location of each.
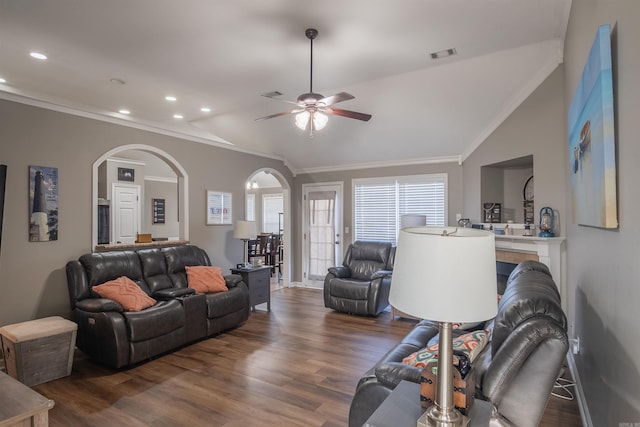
(448, 275)
(244, 230)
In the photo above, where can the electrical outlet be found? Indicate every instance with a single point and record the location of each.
(458, 217)
(575, 345)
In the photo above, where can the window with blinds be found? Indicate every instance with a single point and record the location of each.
(250, 214)
(380, 202)
(272, 206)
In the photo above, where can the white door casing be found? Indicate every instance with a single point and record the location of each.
(322, 230)
(125, 212)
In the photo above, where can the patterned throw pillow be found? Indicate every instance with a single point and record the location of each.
(125, 292)
(206, 279)
(471, 344)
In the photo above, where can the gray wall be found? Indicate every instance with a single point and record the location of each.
(603, 267)
(536, 127)
(454, 182)
(32, 275)
(169, 192)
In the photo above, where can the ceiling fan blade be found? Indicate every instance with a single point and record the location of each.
(334, 99)
(346, 113)
(284, 113)
(267, 95)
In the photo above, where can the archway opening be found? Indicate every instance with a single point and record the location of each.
(181, 176)
(268, 188)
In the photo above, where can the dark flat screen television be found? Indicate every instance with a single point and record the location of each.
(3, 181)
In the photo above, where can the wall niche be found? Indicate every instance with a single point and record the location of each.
(504, 184)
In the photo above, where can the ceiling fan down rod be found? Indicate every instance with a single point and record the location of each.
(311, 34)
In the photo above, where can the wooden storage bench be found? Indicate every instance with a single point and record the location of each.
(39, 350)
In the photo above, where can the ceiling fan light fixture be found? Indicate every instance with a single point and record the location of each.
(320, 120)
(302, 120)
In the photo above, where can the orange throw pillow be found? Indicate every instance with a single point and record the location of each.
(125, 292)
(206, 279)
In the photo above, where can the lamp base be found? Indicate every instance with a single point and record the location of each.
(432, 417)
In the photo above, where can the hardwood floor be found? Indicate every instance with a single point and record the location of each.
(297, 365)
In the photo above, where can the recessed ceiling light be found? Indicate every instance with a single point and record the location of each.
(205, 109)
(2, 80)
(170, 98)
(38, 55)
(443, 53)
(178, 116)
(124, 111)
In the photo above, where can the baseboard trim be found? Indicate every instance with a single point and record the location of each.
(580, 397)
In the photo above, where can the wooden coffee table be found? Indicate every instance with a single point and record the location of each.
(19, 405)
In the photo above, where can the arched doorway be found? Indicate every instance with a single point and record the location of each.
(267, 183)
(182, 181)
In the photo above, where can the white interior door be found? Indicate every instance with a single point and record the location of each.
(126, 213)
(322, 222)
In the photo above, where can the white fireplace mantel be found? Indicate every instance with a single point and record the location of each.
(548, 250)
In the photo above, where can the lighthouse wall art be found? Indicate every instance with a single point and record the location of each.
(43, 204)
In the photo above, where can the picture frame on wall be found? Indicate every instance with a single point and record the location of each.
(43, 204)
(219, 208)
(126, 174)
(592, 151)
(158, 211)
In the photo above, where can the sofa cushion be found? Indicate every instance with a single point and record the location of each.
(126, 293)
(100, 267)
(365, 258)
(178, 257)
(206, 279)
(527, 296)
(161, 319)
(471, 344)
(349, 288)
(220, 304)
(154, 270)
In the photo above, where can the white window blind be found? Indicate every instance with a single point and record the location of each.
(272, 205)
(380, 202)
(250, 213)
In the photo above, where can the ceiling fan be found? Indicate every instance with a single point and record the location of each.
(312, 108)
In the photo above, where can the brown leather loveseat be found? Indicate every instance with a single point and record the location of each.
(115, 337)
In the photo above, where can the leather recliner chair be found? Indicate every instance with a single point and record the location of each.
(361, 284)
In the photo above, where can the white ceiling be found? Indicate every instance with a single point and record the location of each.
(224, 54)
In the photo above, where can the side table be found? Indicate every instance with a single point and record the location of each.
(258, 280)
(402, 408)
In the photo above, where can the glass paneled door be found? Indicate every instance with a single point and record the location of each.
(322, 225)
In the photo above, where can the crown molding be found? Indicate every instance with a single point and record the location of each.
(381, 164)
(10, 94)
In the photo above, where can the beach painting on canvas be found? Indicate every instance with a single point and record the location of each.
(592, 150)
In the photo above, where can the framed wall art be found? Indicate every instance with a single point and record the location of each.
(158, 211)
(43, 204)
(592, 151)
(126, 174)
(218, 208)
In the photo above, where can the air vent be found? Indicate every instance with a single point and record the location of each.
(272, 94)
(443, 53)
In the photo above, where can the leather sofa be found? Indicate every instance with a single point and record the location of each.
(516, 370)
(119, 338)
(361, 284)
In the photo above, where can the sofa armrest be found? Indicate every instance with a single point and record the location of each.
(172, 293)
(522, 372)
(340, 271)
(390, 374)
(381, 274)
(97, 305)
(232, 280)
